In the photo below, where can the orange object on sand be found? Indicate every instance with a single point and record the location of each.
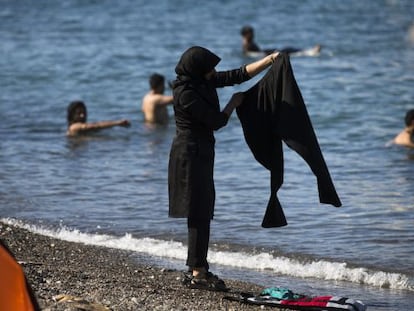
(14, 292)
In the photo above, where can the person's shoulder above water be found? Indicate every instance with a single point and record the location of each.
(154, 103)
(77, 120)
(406, 136)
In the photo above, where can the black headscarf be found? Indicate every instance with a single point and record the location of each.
(196, 62)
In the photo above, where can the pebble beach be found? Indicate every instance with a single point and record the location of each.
(71, 276)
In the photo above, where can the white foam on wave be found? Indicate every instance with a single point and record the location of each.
(320, 269)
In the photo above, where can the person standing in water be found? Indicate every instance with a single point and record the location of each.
(406, 136)
(77, 116)
(191, 164)
(154, 103)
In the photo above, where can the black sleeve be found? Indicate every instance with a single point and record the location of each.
(231, 77)
(201, 111)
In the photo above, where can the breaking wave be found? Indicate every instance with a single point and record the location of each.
(319, 269)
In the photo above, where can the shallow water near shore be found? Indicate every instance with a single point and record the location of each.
(110, 188)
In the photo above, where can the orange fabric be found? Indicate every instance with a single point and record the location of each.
(14, 295)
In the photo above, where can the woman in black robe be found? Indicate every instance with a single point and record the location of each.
(190, 172)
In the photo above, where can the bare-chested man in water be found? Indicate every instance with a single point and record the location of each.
(154, 103)
(406, 136)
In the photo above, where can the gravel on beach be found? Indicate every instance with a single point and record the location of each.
(72, 276)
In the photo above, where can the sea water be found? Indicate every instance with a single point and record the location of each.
(110, 188)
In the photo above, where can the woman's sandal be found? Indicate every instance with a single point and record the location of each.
(208, 281)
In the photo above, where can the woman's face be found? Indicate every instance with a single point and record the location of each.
(210, 74)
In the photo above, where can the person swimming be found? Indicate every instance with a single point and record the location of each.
(154, 103)
(77, 117)
(250, 48)
(406, 136)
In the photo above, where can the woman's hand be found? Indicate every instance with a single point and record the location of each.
(261, 64)
(273, 56)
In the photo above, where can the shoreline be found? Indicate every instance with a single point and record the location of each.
(73, 276)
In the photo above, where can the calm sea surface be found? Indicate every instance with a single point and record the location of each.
(114, 183)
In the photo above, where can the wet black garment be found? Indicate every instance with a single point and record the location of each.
(197, 115)
(273, 111)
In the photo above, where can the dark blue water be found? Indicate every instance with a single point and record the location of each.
(114, 182)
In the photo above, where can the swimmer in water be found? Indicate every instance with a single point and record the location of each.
(154, 103)
(250, 48)
(77, 116)
(406, 136)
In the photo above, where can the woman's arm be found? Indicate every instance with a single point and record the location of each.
(237, 76)
(260, 65)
